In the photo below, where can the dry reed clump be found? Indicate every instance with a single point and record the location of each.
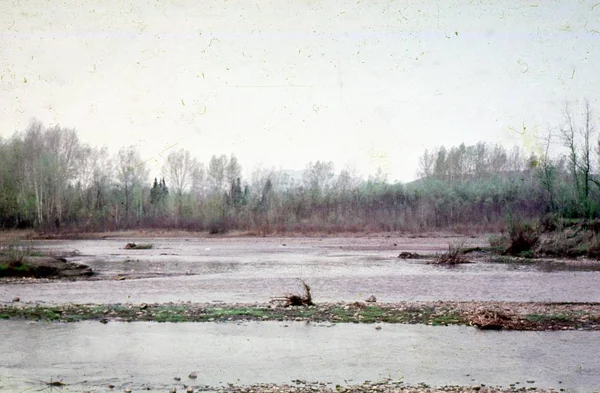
(296, 300)
(453, 256)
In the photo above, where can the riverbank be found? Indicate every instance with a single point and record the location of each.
(388, 386)
(484, 315)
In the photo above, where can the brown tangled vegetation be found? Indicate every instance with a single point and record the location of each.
(295, 300)
(454, 256)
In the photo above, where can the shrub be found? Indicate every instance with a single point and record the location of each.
(453, 256)
(549, 222)
(217, 226)
(522, 238)
(14, 251)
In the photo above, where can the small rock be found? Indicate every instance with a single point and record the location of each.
(371, 299)
(189, 390)
(16, 299)
(127, 390)
(104, 321)
(173, 390)
(378, 327)
(143, 306)
(111, 386)
(177, 378)
(193, 375)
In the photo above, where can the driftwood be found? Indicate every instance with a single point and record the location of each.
(492, 320)
(296, 300)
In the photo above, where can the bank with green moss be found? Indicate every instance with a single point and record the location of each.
(485, 315)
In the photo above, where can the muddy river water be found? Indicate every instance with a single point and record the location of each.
(338, 269)
(89, 355)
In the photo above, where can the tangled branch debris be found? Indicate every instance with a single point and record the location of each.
(492, 320)
(296, 300)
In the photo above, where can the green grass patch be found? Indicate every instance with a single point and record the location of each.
(226, 313)
(16, 269)
(340, 314)
(372, 314)
(168, 316)
(526, 254)
(352, 313)
(448, 319)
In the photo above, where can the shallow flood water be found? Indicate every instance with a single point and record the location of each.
(89, 355)
(338, 269)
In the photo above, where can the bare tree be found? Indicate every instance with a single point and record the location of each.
(33, 170)
(180, 170)
(216, 173)
(579, 149)
(568, 135)
(233, 171)
(426, 162)
(131, 173)
(318, 177)
(548, 173)
(587, 133)
(63, 153)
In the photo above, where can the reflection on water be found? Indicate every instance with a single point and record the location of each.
(139, 355)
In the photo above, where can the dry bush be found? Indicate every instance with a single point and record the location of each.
(14, 251)
(523, 238)
(453, 256)
(492, 320)
(572, 241)
(549, 223)
(218, 226)
(296, 300)
(594, 247)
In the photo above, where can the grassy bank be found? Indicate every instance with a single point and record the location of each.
(509, 316)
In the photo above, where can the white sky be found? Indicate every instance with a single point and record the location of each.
(366, 83)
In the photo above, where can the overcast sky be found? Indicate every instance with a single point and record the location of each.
(363, 83)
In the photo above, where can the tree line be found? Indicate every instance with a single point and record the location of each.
(49, 180)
